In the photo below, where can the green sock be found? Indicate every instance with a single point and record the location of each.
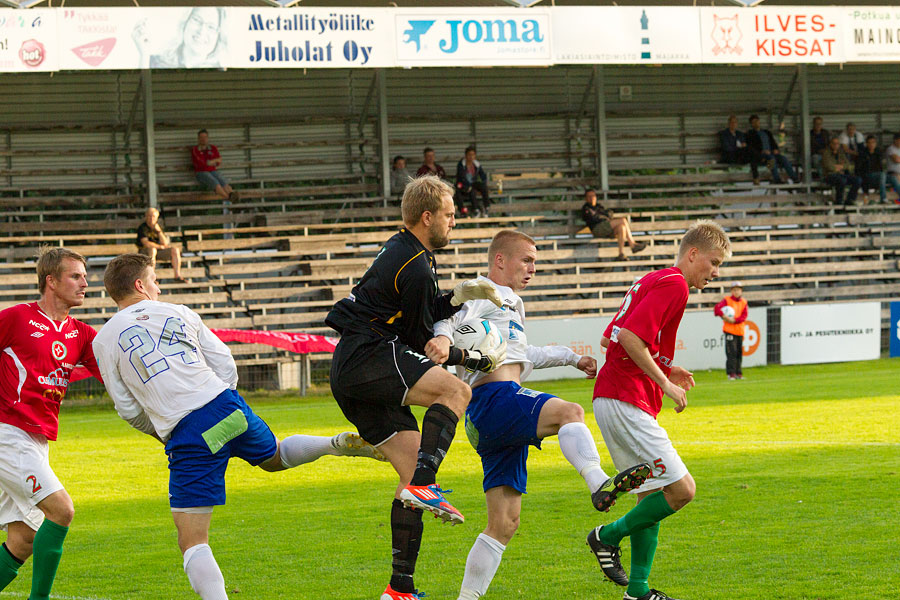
(48, 543)
(643, 547)
(652, 509)
(9, 567)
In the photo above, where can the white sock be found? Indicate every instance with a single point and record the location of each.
(300, 449)
(578, 446)
(203, 573)
(481, 565)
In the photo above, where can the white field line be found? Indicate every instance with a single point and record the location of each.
(554, 441)
(56, 597)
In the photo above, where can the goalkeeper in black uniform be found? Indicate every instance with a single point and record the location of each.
(380, 368)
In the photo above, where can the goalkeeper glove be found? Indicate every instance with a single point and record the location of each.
(475, 289)
(485, 359)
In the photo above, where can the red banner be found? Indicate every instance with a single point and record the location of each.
(301, 343)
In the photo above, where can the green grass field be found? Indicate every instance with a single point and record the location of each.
(796, 469)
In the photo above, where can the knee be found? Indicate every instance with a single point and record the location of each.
(458, 396)
(683, 495)
(504, 529)
(63, 513)
(571, 413)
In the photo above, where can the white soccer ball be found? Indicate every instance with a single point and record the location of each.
(471, 333)
(728, 311)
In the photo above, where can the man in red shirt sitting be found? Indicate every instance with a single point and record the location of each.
(40, 345)
(206, 160)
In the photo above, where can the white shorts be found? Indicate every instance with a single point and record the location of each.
(632, 437)
(25, 476)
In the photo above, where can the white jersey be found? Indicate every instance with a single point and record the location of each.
(510, 323)
(160, 359)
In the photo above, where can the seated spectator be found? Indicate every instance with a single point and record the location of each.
(400, 176)
(869, 168)
(836, 172)
(206, 161)
(763, 150)
(818, 142)
(429, 167)
(852, 141)
(893, 165)
(471, 178)
(604, 225)
(733, 143)
(154, 243)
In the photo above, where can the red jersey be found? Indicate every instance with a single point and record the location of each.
(37, 356)
(652, 310)
(200, 157)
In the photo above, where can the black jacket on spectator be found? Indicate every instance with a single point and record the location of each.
(869, 162)
(480, 175)
(594, 214)
(754, 143)
(728, 142)
(818, 141)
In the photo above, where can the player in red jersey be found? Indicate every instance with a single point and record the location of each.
(628, 393)
(40, 344)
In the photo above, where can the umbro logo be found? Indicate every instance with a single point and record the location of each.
(37, 334)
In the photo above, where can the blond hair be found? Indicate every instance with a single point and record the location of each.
(122, 272)
(504, 240)
(421, 195)
(50, 263)
(705, 235)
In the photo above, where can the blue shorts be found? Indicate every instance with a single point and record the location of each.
(202, 443)
(501, 422)
(210, 179)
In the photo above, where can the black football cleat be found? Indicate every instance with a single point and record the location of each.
(629, 479)
(609, 557)
(651, 595)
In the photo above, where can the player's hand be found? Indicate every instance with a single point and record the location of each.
(677, 394)
(682, 378)
(486, 359)
(438, 349)
(475, 289)
(588, 364)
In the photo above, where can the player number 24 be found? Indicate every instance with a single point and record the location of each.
(148, 357)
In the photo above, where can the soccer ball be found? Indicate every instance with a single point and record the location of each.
(471, 334)
(728, 311)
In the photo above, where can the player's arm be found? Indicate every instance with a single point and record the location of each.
(218, 356)
(638, 351)
(126, 404)
(439, 347)
(560, 356)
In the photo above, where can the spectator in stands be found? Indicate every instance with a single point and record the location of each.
(837, 172)
(429, 167)
(400, 176)
(733, 143)
(154, 243)
(869, 168)
(206, 161)
(818, 142)
(893, 165)
(471, 179)
(763, 150)
(604, 225)
(852, 141)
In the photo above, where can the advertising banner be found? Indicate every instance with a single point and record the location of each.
(301, 343)
(582, 335)
(782, 34)
(28, 40)
(462, 36)
(626, 35)
(871, 33)
(701, 341)
(310, 38)
(156, 38)
(895, 329)
(822, 333)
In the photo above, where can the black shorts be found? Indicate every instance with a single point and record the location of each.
(370, 377)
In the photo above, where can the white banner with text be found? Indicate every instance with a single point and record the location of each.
(823, 333)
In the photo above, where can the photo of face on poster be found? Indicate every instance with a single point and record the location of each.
(199, 40)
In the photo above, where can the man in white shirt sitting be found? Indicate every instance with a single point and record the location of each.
(172, 378)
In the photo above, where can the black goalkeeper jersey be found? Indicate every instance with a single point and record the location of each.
(397, 296)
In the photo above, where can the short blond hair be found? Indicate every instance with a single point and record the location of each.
(50, 263)
(705, 235)
(421, 195)
(504, 240)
